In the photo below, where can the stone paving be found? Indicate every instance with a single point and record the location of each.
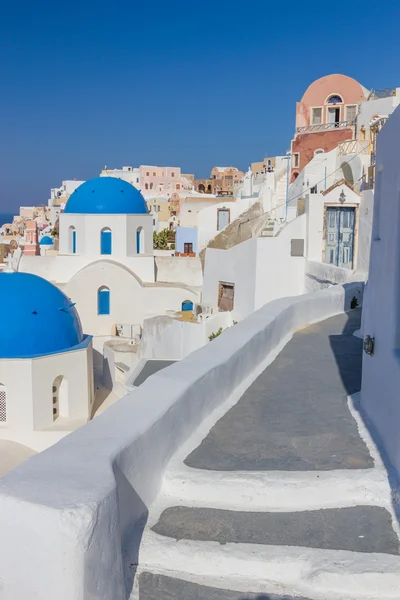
(294, 417)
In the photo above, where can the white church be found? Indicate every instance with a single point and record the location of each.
(61, 308)
(105, 260)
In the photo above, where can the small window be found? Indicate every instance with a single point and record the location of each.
(316, 116)
(172, 174)
(146, 186)
(103, 301)
(178, 186)
(335, 99)
(147, 174)
(151, 185)
(296, 160)
(154, 174)
(351, 113)
(106, 241)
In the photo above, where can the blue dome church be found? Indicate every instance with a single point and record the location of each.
(46, 372)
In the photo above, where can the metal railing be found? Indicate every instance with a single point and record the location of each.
(325, 127)
(378, 94)
(353, 147)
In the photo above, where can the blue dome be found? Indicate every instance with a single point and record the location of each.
(46, 241)
(37, 318)
(106, 195)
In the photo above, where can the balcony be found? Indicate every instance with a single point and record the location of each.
(322, 127)
(354, 147)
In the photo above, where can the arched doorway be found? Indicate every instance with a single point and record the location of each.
(201, 188)
(187, 305)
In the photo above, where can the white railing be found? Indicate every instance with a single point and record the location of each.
(325, 127)
(353, 147)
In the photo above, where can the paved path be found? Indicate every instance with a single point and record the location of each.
(294, 421)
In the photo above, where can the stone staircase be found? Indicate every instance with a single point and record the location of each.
(282, 495)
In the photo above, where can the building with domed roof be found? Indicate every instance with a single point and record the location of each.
(106, 262)
(46, 362)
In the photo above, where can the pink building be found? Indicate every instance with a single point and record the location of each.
(31, 245)
(325, 116)
(161, 180)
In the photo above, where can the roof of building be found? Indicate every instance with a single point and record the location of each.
(106, 195)
(46, 241)
(37, 317)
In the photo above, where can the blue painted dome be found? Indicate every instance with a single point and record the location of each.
(36, 319)
(106, 195)
(46, 241)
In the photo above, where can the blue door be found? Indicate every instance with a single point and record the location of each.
(74, 242)
(106, 242)
(138, 242)
(103, 301)
(339, 246)
(223, 218)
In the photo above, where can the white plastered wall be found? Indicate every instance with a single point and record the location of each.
(89, 490)
(130, 300)
(262, 270)
(29, 384)
(88, 234)
(381, 372)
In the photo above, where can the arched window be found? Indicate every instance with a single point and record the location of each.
(151, 185)
(146, 186)
(202, 188)
(60, 397)
(103, 301)
(140, 240)
(334, 99)
(106, 241)
(72, 240)
(187, 305)
(3, 403)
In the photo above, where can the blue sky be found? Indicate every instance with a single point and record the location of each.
(190, 84)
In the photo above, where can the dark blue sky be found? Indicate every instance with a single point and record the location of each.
(192, 84)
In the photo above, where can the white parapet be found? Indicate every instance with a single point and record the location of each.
(67, 515)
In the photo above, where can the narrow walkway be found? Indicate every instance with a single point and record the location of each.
(282, 499)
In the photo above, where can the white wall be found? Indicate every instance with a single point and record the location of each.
(383, 107)
(365, 230)
(74, 506)
(29, 384)
(130, 301)
(322, 275)
(207, 218)
(188, 213)
(167, 338)
(179, 269)
(88, 234)
(381, 372)
(262, 269)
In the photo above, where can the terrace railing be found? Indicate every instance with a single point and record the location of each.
(325, 127)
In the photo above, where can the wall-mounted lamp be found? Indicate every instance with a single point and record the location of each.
(369, 345)
(342, 197)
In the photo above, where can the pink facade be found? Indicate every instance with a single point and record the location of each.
(161, 180)
(321, 95)
(31, 245)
